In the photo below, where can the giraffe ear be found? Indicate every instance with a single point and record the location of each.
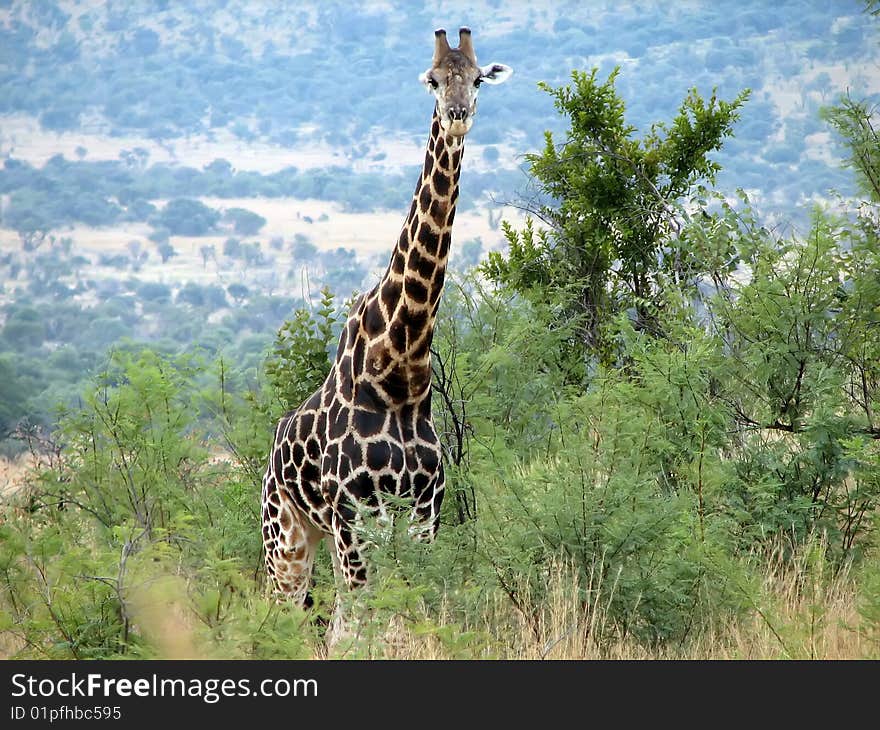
(428, 80)
(495, 73)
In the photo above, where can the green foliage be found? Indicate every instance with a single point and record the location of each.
(13, 397)
(135, 540)
(246, 222)
(186, 217)
(613, 200)
(301, 354)
(855, 120)
(800, 373)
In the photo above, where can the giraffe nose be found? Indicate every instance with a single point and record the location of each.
(458, 114)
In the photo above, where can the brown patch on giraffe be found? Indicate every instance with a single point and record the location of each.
(373, 319)
(368, 423)
(368, 397)
(425, 199)
(438, 212)
(419, 381)
(426, 269)
(445, 241)
(338, 422)
(378, 359)
(352, 449)
(450, 218)
(395, 385)
(343, 469)
(441, 183)
(415, 256)
(299, 454)
(416, 320)
(306, 421)
(398, 264)
(346, 387)
(280, 432)
(420, 352)
(357, 359)
(279, 464)
(415, 290)
(428, 238)
(397, 336)
(361, 485)
(391, 290)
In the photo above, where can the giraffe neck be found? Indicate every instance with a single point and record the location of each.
(414, 279)
(398, 316)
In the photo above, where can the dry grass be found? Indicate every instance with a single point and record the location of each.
(799, 613)
(797, 609)
(14, 472)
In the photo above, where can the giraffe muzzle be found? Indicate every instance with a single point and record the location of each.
(458, 121)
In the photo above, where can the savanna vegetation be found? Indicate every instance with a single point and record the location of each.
(660, 422)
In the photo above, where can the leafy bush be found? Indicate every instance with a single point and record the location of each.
(135, 540)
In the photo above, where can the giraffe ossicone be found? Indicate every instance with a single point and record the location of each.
(367, 433)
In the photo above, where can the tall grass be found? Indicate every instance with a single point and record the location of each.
(799, 611)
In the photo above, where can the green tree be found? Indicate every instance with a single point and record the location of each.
(186, 217)
(300, 357)
(239, 292)
(165, 250)
(13, 397)
(24, 328)
(611, 203)
(245, 222)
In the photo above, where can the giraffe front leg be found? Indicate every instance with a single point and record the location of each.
(425, 514)
(350, 569)
(348, 559)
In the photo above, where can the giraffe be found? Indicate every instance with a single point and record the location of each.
(367, 432)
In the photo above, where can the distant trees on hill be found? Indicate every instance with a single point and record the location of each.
(245, 222)
(101, 193)
(199, 77)
(187, 217)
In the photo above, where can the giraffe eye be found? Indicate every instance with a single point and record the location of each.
(433, 82)
(478, 81)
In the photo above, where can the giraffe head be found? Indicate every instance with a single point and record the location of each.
(455, 77)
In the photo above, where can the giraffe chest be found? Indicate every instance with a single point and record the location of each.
(369, 453)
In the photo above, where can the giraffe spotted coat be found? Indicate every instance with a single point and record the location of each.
(367, 432)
